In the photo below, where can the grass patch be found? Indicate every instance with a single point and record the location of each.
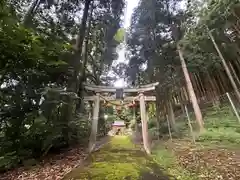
(168, 161)
(222, 128)
(224, 135)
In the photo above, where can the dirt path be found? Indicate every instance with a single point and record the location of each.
(119, 160)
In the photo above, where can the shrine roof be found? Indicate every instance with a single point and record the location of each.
(118, 123)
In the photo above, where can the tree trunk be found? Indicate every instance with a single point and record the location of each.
(185, 94)
(226, 84)
(158, 119)
(201, 86)
(74, 81)
(171, 116)
(225, 66)
(83, 67)
(195, 85)
(191, 92)
(214, 97)
(219, 82)
(158, 110)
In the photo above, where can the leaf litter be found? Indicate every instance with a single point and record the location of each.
(207, 163)
(53, 167)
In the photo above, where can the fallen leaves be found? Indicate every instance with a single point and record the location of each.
(52, 167)
(208, 163)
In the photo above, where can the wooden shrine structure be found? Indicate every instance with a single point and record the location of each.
(120, 96)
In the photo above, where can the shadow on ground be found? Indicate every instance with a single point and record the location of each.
(119, 160)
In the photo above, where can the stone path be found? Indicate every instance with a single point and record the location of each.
(120, 159)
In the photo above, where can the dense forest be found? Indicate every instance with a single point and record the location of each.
(50, 49)
(192, 51)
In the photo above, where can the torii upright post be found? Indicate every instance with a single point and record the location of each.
(92, 139)
(144, 124)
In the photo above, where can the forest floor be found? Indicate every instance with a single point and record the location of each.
(121, 159)
(206, 161)
(53, 167)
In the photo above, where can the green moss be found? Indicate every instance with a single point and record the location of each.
(118, 160)
(113, 171)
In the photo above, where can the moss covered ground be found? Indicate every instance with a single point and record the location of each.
(119, 160)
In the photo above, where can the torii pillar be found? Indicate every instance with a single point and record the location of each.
(94, 127)
(144, 124)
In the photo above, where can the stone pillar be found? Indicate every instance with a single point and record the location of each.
(94, 127)
(144, 124)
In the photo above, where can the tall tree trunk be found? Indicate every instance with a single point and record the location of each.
(201, 86)
(191, 92)
(225, 82)
(186, 97)
(195, 85)
(158, 110)
(214, 85)
(84, 63)
(214, 93)
(225, 66)
(220, 83)
(171, 116)
(74, 81)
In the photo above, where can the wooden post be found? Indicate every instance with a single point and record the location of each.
(144, 124)
(94, 128)
(189, 124)
(233, 106)
(169, 128)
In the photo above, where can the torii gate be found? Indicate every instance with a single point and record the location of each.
(119, 93)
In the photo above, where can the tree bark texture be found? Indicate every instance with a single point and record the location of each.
(74, 81)
(171, 116)
(191, 92)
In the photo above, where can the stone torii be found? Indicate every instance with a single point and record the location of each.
(119, 96)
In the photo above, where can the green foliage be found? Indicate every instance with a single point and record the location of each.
(37, 110)
(224, 135)
(119, 36)
(221, 126)
(25, 69)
